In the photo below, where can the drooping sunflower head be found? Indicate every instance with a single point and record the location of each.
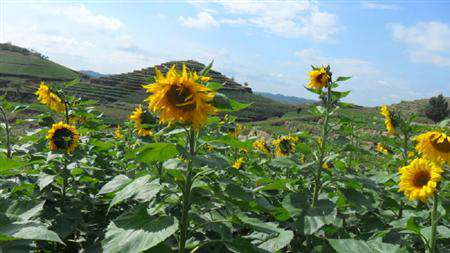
(262, 146)
(238, 163)
(419, 179)
(49, 98)
(391, 120)
(142, 120)
(434, 146)
(319, 78)
(285, 145)
(181, 97)
(63, 137)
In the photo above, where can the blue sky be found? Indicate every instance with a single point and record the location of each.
(393, 50)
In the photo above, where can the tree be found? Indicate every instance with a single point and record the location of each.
(437, 108)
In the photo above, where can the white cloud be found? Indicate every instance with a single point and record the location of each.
(427, 42)
(80, 15)
(202, 20)
(379, 6)
(433, 36)
(290, 19)
(422, 56)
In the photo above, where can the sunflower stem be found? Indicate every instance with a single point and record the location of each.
(322, 146)
(322, 153)
(186, 191)
(434, 222)
(8, 141)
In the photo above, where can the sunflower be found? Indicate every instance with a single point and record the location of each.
(380, 148)
(326, 166)
(117, 133)
(388, 119)
(434, 146)
(181, 98)
(238, 163)
(262, 146)
(318, 78)
(419, 179)
(63, 137)
(47, 97)
(285, 145)
(140, 117)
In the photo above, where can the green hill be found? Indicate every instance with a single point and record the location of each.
(21, 70)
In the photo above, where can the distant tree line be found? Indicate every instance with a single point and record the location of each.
(13, 48)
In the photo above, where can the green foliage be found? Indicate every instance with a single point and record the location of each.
(437, 108)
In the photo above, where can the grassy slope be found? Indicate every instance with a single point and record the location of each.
(14, 63)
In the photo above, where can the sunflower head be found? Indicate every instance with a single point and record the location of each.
(262, 146)
(238, 163)
(419, 179)
(434, 146)
(391, 119)
(142, 119)
(63, 137)
(285, 145)
(49, 98)
(319, 78)
(381, 149)
(118, 133)
(181, 97)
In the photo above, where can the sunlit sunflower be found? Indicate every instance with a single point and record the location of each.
(318, 78)
(326, 166)
(381, 149)
(434, 146)
(388, 120)
(142, 118)
(63, 137)
(238, 163)
(181, 97)
(419, 179)
(285, 145)
(118, 133)
(262, 146)
(47, 97)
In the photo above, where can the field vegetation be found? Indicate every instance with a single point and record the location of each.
(182, 175)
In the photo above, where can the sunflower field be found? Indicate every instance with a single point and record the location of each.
(182, 175)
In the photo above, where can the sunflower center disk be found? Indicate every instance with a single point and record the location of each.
(285, 146)
(181, 98)
(62, 138)
(441, 146)
(421, 179)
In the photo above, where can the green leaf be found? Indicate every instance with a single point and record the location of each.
(137, 231)
(342, 78)
(157, 152)
(296, 203)
(278, 239)
(115, 184)
(214, 85)
(24, 210)
(8, 164)
(72, 83)
(357, 246)
(44, 180)
(30, 230)
(138, 189)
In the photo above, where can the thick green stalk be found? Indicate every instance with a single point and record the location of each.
(434, 222)
(324, 135)
(8, 141)
(186, 204)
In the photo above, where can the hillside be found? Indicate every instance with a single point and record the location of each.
(292, 100)
(21, 71)
(91, 73)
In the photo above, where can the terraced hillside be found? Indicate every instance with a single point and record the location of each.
(21, 71)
